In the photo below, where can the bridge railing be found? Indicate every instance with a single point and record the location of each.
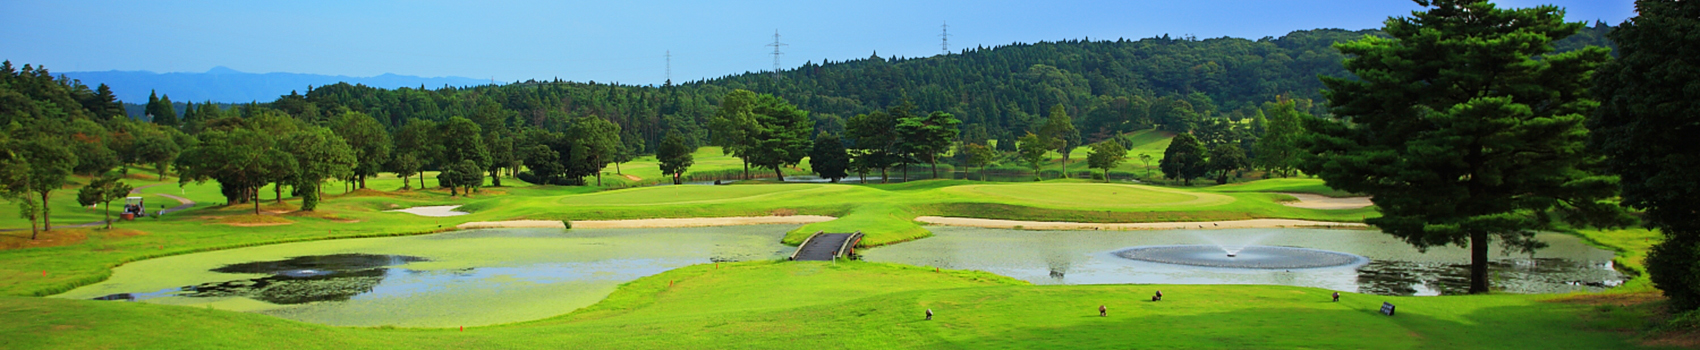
(805, 244)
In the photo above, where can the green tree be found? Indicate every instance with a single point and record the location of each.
(1278, 149)
(874, 139)
(979, 156)
(106, 105)
(371, 144)
(674, 155)
(733, 126)
(502, 156)
(1457, 131)
(1146, 158)
(51, 161)
(460, 139)
(406, 165)
(928, 136)
(1106, 155)
(1060, 131)
(1646, 125)
(1184, 159)
(829, 159)
(158, 149)
(103, 190)
(1225, 159)
(784, 134)
(466, 175)
(592, 144)
(415, 140)
(319, 154)
(163, 112)
(1032, 150)
(241, 161)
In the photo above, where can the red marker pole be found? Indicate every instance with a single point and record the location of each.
(43, 273)
(463, 328)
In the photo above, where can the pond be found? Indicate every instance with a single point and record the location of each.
(463, 278)
(1388, 265)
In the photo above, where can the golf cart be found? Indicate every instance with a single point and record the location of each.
(133, 208)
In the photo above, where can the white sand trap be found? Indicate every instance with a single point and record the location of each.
(1313, 201)
(653, 223)
(433, 211)
(1057, 225)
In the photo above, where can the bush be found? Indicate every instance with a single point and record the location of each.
(567, 223)
(1671, 265)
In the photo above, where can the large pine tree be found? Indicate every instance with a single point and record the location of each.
(1458, 131)
(1649, 115)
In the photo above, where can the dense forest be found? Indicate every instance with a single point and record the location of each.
(1223, 94)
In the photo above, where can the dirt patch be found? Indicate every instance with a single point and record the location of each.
(1615, 299)
(1683, 339)
(653, 223)
(367, 192)
(1314, 201)
(61, 237)
(253, 220)
(632, 177)
(1060, 225)
(21, 239)
(320, 215)
(144, 177)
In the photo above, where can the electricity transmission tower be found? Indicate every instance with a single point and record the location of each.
(944, 45)
(776, 44)
(669, 68)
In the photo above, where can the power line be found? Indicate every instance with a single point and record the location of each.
(944, 45)
(776, 44)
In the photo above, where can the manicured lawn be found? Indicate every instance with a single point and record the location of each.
(783, 304)
(867, 305)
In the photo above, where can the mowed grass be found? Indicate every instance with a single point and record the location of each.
(869, 305)
(884, 213)
(790, 305)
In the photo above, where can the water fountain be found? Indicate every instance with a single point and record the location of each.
(1241, 253)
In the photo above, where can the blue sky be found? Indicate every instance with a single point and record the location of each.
(621, 41)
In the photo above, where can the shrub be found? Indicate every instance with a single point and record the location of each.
(567, 223)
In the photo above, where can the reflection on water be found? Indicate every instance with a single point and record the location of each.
(1394, 268)
(469, 278)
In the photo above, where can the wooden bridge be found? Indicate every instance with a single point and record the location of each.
(823, 246)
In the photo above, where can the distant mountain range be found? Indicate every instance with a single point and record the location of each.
(222, 84)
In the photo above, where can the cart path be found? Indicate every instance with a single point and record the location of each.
(183, 203)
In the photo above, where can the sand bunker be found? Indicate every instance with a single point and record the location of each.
(1054, 225)
(1312, 201)
(653, 223)
(433, 211)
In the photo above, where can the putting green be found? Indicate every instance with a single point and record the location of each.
(693, 194)
(1094, 195)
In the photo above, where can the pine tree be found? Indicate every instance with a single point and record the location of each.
(1458, 132)
(1646, 125)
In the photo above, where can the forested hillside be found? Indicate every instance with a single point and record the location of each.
(999, 92)
(1224, 95)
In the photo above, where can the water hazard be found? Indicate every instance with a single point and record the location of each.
(468, 278)
(1344, 260)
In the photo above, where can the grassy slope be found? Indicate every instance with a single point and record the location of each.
(866, 305)
(783, 304)
(882, 212)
